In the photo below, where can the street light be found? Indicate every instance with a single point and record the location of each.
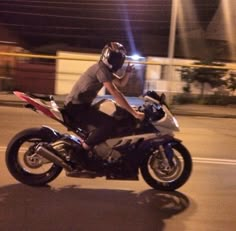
(171, 47)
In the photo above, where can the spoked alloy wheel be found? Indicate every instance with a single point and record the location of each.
(164, 176)
(27, 166)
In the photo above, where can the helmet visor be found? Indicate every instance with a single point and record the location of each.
(116, 59)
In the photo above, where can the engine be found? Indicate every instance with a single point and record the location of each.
(104, 151)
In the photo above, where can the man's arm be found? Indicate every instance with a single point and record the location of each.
(121, 100)
(122, 81)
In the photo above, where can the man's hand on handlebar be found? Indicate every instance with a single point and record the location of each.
(139, 115)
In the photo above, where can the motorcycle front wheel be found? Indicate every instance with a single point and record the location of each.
(27, 166)
(167, 178)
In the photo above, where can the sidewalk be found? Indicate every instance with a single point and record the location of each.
(7, 99)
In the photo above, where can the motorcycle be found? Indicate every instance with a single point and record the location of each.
(36, 156)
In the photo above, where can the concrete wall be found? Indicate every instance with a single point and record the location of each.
(158, 76)
(152, 77)
(68, 70)
(155, 76)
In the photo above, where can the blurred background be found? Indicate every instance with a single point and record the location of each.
(185, 48)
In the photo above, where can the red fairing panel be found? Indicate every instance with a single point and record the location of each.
(45, 109)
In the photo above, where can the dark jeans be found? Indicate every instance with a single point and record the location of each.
(83, 114)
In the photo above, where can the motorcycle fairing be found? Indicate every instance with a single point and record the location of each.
(39, 106)
(142, 143)
(106, 106)
(120, 141)
(155, 142)
(166, 123)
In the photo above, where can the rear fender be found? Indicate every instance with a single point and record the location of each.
(50, 133)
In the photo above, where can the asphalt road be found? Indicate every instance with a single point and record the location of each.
(205, 203)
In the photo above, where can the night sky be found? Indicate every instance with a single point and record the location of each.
(141, 25)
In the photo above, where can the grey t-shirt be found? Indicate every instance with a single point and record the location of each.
(88, 85)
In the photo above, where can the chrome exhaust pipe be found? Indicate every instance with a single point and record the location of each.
(42, 151)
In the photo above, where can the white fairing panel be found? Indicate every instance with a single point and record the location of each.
(131, 139)
(167, 123)
(108, 107)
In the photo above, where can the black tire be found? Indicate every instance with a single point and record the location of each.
(21, 170)
(156, 182)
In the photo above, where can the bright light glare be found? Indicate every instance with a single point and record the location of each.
(135, 57)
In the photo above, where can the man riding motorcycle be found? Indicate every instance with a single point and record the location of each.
(79, 100)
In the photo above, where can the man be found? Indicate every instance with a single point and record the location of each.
(84, 91)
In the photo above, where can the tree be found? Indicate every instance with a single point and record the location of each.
(187, 77)
(203, 75)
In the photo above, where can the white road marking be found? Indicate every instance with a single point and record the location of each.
(2, 149)
(201, 160)
(205, 160)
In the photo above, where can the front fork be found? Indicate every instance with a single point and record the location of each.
(165, 156)
(167, 153)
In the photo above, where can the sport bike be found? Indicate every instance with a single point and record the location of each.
(36, 156)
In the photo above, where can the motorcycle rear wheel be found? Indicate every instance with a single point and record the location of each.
(170, 180)
(26, 166)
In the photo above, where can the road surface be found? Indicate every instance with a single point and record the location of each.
(205, 203)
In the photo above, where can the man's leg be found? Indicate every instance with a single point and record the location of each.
(104, 126)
